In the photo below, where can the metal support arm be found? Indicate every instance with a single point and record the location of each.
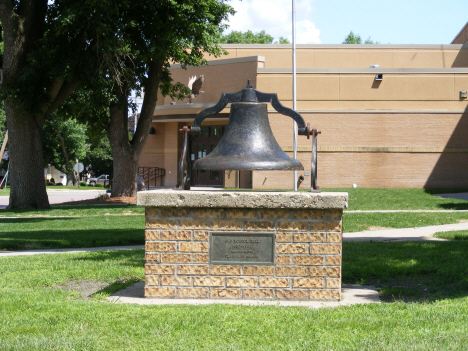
(250, 94)
(313, 166)
(183, 171)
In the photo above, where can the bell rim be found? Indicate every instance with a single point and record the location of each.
(274, 165)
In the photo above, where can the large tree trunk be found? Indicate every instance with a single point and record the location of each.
(125, 171)
(26, 163)
(71, 180)
(125, 165)
(126, 154)
(21, 28)
(68, 170)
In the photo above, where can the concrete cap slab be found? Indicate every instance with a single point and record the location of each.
(242, 199)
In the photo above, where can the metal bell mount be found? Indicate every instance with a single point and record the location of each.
(248, 142)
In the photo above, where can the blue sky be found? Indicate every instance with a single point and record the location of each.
(330, 21)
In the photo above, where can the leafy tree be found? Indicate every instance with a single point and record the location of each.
(52, 47)
(283, 40)
(152, 35)
(64, 142)
(237, 37)
(356, 39)
(100, 158)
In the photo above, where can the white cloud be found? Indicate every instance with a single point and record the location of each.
(275, 17)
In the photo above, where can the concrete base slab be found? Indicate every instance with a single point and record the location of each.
(351, 295)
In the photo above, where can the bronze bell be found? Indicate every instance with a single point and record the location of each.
(248, 142)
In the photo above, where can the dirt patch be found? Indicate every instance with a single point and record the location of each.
(84, 287)
(102, 201)
(410, 290)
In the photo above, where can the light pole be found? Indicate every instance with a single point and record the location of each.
(294, 86)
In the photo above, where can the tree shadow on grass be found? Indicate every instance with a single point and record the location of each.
(454, 206)
(117, 286)
(54, 239)
(450, 205)
(67, 208)
(408, 271)
(133, 258)
(22, 220)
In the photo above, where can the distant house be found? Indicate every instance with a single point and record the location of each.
(52, 172)
(406, 127)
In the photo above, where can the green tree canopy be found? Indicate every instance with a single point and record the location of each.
(54, 47)
(99, 157)
(352, 38)
(64, 142)
(152, 35)
(248, 37)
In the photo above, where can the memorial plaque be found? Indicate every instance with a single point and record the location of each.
(242, 248)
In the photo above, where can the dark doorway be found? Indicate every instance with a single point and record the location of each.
(201, 146)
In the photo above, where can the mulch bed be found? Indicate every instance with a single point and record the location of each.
(103, 201)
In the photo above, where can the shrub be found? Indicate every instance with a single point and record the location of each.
(82, 183)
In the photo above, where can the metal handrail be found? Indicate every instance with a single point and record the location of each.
(151, 173)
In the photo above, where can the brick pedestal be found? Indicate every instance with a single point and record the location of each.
(307, 232)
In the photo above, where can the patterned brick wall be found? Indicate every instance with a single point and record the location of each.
(307, 260)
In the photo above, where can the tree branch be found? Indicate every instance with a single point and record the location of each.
(66, 89)
(149, 104)
(6, 10)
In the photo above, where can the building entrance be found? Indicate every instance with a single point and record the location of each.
(201, 146)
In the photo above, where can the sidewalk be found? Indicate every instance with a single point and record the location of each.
(404, 234)
(74, 250)
(58, 196)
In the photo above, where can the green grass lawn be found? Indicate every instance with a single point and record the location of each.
(355, 222)
(401, 199)
(396, 199)
(409, 271)
(5, 191)
(454, 235)
(93, 230)
(39, 311)
(44, 302)
(81, 211)
(43, 232)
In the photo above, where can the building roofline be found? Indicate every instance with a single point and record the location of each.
(346, 46)
(456, 70)
(227, 61)
(458, 38)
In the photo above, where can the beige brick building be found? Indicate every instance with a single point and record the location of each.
(407, 130)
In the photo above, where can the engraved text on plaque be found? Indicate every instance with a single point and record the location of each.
(241, 248)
